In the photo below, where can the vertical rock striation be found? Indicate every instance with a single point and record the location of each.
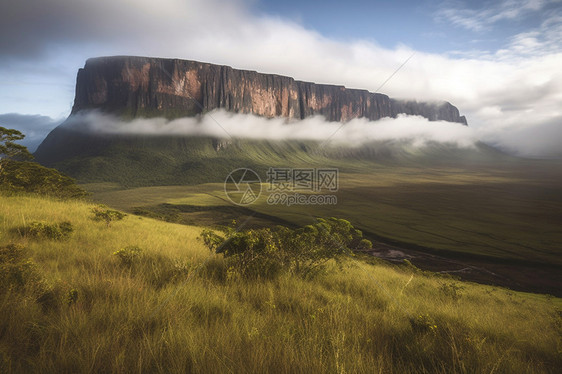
(149, 87)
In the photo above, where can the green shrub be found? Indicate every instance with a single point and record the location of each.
(42, 230)
(252, 253)
(310, 247)
(128, 255)
(265, 253)
(102, 213)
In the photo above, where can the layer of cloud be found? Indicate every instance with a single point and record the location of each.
(414, 130)
(541, 141)
(516, 88)
(34, 127)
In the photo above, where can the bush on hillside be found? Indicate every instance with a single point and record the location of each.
(43, 230)
(102, 213)
(25, 176)
(128, 255)
(266, 253)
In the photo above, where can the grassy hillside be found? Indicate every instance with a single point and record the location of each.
(173, 308)
(134, 161)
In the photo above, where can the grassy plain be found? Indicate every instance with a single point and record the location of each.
(507, 214)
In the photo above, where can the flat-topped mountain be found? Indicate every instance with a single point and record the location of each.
(134, 87)
(157, 87)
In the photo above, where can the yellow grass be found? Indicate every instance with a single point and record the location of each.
(359, 316)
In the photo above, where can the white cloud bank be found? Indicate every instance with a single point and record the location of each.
(223, 124)
(414, 130)
(515, 90)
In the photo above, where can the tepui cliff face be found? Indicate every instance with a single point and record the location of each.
(131, 87)
(155, 87)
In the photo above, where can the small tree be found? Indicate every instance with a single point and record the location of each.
(101, 213)
(17, 174)
(9, 150)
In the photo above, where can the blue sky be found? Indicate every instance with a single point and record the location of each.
(421, 25)
(498, 61)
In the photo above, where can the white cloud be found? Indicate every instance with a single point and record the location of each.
(460, 15)
(543, 140)
(414, 130)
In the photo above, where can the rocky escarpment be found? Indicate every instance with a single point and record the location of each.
(148, 87)
(151, 87)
